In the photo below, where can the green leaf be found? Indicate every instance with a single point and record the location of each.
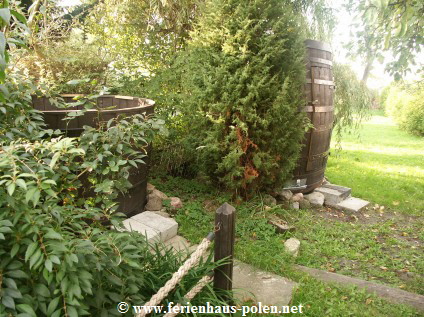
(54, 259)
(8, 302)
(34, 258)
(6, 223)
(72, 312)
(5, 15)
(26, 309)
(52, 306)
(30, 250)
(49, 265)
(11, 188)
(14, 250)
(21, 183)
(42, 290)
(5, 230)
(20, 17)
(30, 194)
(17, 274)
(57, 313)
(54, 159)
(53, 235)
(10, 283)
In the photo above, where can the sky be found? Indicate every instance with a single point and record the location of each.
(378, 79)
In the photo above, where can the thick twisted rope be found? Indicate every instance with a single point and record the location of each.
(178, 276)
(190, 295)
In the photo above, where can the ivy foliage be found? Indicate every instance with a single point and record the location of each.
(243, 83)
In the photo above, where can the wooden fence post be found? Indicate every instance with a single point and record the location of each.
(225, 220)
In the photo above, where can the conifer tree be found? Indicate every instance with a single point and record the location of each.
(243, 80)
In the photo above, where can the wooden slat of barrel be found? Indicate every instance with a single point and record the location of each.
(319, 95)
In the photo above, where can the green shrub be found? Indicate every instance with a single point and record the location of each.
(242, 78)
(405, 103)
(58, 256)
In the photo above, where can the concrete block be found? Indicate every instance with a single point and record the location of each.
(267, 288)
(134, 225)
(352, 204)
(167, 227)
(331, 196)
(346, 191)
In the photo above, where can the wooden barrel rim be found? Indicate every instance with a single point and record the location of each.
(318, 45)
(95, 110)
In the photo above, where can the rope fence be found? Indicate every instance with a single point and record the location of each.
(224, 236)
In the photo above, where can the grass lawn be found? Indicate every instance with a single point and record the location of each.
(385, 245)
(384, 165)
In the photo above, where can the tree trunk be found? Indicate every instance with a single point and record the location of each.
(368, 67)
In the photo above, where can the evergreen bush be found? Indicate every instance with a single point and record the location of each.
(243, 75)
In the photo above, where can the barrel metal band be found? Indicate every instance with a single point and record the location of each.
(320, 60)
(320, 82)
(318, 109)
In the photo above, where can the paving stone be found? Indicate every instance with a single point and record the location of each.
(352, 204)
(134, 225)
(167, 227)
(267, 288)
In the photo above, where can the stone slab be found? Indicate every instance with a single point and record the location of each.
(267, 288)
(134, 225)
(352, 204)
(346, 191)
(392, 294)
(167, 227)
(331, 196)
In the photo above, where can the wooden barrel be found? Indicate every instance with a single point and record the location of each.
(319, 94)
(112, 107)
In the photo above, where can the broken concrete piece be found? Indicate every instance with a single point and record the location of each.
(267, 288)
(315, 198)
(176, 203)
(297, 197)
(292, 246)
(284, 194)
(332, 196)
(304, 204)
(154, 203)
(352, 204)
(281, 228)
(150, 188)
(269, 200)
